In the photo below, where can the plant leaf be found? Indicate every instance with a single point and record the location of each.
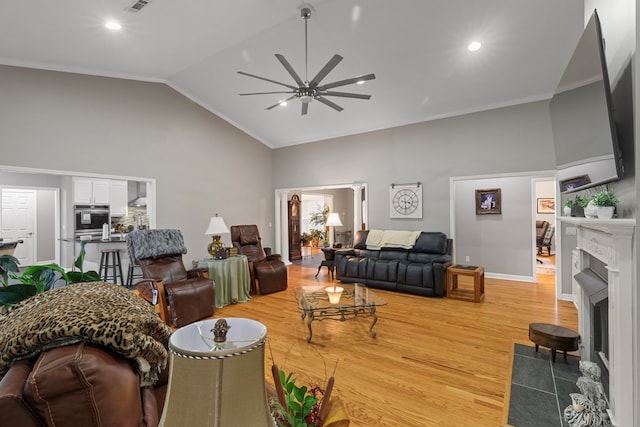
(80, 260)
(13, 294)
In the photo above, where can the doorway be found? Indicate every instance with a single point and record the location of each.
(352, 207)
(31, 215)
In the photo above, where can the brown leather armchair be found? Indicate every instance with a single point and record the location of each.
(541, 230)
(268, 272)
(182, 296)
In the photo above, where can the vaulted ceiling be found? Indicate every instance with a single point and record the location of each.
(417, 50)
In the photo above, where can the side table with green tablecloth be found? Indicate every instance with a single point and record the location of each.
(232, 279)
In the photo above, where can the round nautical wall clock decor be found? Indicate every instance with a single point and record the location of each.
(405, 201)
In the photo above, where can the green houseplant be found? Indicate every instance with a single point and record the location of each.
(37, 279)
(319, 219)
(606, 202)
(305, 238)
(578, 204)
(316, 236)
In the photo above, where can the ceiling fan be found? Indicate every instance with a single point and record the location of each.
(307, 91)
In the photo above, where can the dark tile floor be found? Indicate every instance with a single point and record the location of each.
(539, 388)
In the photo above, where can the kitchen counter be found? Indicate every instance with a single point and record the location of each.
(94, 246)
(95, 239)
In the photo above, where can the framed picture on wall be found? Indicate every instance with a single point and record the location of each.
(546, 206)
(488, 202)
(575, 182)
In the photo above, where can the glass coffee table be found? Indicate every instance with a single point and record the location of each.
(356, 301)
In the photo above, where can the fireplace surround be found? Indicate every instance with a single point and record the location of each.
(609, 242)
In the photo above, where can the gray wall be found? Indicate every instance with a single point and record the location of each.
(501, 243)
(46, 248)
(506, 140)
(79, 123)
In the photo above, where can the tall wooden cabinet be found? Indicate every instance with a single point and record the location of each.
(295, 245)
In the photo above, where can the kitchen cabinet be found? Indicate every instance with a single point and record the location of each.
(118, 197)
(89, 191)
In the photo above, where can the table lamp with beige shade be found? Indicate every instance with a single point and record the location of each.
(216, 227)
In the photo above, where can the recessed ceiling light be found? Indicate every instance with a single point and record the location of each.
(474, 46)
(113, 25)
(283, 103)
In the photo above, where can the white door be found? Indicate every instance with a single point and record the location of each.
(18, 222)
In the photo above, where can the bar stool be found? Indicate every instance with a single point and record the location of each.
(131, 272)
(111, 269)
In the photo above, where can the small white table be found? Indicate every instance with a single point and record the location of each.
(232, 279)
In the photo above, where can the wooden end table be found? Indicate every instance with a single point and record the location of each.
(554, 337)
(453, 291)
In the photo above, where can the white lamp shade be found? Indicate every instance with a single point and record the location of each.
(217, 385)
(333, 220)
(216, 226)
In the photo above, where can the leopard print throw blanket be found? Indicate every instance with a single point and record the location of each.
(95, 312)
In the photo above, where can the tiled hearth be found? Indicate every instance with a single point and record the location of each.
(611, 242)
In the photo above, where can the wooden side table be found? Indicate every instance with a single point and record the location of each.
(329, 261)
(453, 291)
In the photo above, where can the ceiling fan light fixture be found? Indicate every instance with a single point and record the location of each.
(474, 46)
(307, 90)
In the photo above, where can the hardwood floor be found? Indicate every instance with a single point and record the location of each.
(435, 361)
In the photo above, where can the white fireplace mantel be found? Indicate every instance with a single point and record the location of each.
(611, 241)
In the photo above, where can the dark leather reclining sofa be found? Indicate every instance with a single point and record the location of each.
(419, 270)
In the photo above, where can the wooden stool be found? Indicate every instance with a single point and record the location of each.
(452, 290)
(111, 270)
(554, 337)
(132, 274)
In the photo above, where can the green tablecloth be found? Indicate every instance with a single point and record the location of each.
(232, 279)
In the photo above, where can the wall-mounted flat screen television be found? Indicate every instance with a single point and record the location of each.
(587, 152)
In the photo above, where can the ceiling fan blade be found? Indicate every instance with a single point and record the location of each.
(347, 82)
(260, 93)
(290, 69)
(280, 102)
(305, 108)
(345, 95)
(329, 103)
(267, 80)
(325, 70)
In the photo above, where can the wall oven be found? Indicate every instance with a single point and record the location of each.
(89, 219)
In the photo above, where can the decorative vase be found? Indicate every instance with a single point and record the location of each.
(591, 211)
(577, 211)
(605, 212)
(567, 211)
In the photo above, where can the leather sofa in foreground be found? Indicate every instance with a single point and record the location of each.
(418, 270)
(87, 354)
(79, 385)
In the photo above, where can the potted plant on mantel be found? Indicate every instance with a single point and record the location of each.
(605, 202)
(577, 205)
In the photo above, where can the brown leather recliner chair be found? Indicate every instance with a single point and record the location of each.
(79, 385)
(183, 296)
(268, 272)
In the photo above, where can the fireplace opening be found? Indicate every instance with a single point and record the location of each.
(594, 284)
